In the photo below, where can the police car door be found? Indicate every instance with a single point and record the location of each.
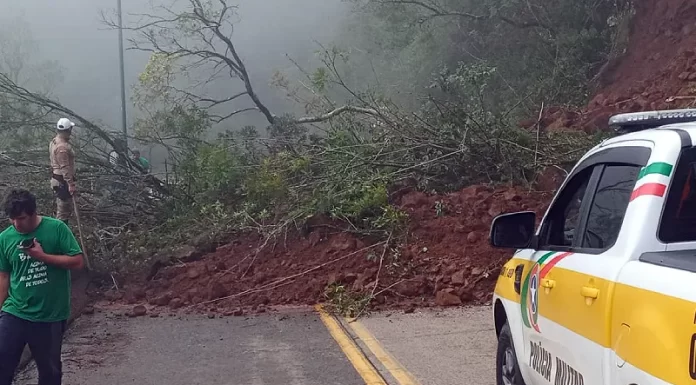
(566, 290)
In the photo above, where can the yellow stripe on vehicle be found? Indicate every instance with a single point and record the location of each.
(566, 306)
(659, 335)
(659, 339)
(506, 280)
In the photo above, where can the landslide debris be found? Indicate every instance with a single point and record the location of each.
(445, 260)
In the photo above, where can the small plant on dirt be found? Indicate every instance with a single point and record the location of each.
(439, 208)
(392, 220)
(395, 264)
(344, 302)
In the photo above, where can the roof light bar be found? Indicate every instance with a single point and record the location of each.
(638, 121)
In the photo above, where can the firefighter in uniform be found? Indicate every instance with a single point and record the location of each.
(63, 169)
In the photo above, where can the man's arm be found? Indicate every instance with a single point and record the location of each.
(71, 255)
(4, 286)
(68, 262)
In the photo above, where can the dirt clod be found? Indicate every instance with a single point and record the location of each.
(458, 278)
(113, 295)
(162, 300)
(216, 290)
(176, 303)
(138, 311)
(447, 298)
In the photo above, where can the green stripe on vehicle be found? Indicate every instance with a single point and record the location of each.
(661, 168)
(545, 257)
(525, 289)
(523, 302)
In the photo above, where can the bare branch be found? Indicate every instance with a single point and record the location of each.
(436, 11)
(336, 112)
(209, 40)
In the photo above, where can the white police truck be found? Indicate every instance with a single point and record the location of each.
(603, 291)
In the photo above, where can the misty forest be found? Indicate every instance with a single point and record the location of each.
(258, 115)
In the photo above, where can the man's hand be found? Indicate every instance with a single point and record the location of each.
(71, 188)
(63, 261)
(36, 251)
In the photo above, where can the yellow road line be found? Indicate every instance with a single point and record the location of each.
(350, 349)
(403, 376)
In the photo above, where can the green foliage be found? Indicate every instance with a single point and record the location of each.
(362, 201)
(267, 186)
(441, 93)
(211, 171)
(319, 79)
(392, 219)
(344, 302)
(542, 51)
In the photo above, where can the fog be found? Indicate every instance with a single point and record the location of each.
(71, 32)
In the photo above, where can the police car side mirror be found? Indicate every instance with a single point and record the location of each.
(513, 231)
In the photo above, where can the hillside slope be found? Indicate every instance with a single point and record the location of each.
(657, 71)
(446, 258)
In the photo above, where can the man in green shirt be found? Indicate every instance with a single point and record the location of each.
(36, 256)
(141, 161)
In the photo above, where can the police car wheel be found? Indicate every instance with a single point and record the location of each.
(507, 369)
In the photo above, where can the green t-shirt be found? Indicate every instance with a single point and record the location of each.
(144, 163)
(38, 292)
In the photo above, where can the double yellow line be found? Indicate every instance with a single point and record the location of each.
(362, 364)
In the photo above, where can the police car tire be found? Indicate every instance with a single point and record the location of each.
(505, 342)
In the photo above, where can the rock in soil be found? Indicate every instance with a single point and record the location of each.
(138, 311)
(176, 303)
(162, 300)
(113, 295)
(447, 298)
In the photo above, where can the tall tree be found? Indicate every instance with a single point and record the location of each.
(194, 39)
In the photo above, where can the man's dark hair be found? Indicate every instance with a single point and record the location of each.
(20, 202)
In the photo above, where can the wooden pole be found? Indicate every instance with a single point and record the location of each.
(79, 231)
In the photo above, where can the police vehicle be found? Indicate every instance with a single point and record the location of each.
(603, 291)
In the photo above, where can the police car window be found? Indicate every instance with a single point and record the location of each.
(678, 223)
(609, 206)
(564, 216)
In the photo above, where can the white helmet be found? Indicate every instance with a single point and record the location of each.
(64, 124)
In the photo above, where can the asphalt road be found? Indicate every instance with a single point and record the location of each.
(265, 350)
(445, 347)
(299, 348)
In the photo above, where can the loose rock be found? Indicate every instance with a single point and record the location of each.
(447, 298)
(458, 278)
(138, 311)
(176, 303)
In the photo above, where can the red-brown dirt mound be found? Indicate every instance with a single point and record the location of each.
(658, 70)
(446, 260)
